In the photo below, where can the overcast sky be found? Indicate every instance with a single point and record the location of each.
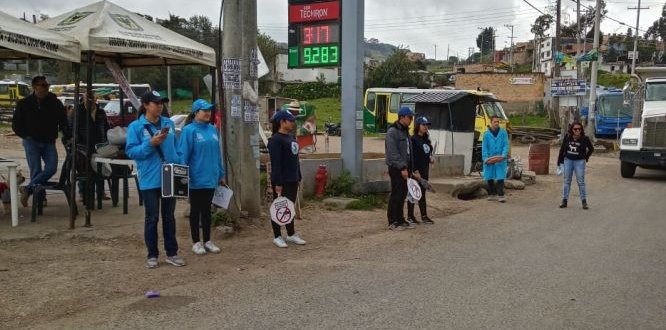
(417, 24)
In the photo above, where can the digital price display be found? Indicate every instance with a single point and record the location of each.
(314, 34)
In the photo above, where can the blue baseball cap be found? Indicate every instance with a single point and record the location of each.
(201, 104)
(423, 121)
(405, 111)
(282, 115)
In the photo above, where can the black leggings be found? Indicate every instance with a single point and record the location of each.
(496, 189)
(200, 202)
(422, 205)
(289, 190)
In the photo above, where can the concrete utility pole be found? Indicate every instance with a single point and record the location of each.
(578, 37)
(169, 83)
(510, 26)
(250, 194)
(353, 12)
(556, 68)
(447, 53)
(435, 53)
(591, 121)
(638, 18)
(493, 60)
(233, 125)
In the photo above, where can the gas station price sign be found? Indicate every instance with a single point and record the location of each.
(314, 34)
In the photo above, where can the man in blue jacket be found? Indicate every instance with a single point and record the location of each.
(151, 141)
(495, 150)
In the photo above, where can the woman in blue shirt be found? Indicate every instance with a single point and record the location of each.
(199, 146)
(151, 141)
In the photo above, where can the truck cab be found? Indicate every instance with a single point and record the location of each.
(645, 146)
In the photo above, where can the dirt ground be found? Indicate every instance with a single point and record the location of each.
(49, 273)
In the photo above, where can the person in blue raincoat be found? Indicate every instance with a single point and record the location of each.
(495, 150)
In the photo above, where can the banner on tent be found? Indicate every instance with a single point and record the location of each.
(120, 79)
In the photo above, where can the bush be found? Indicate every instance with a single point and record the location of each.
(343, 185)
(367, 202)
(311, 90)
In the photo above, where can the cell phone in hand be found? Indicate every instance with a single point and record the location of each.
(164, 130)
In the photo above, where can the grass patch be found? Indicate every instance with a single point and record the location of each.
(177, 107)
(528, 120)
(327, 109)
(367, 202)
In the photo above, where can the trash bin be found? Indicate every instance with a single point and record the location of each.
(539, 158)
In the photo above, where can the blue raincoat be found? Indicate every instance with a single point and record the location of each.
(495, 146)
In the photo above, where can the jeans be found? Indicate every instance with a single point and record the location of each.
(571, 166)
(200, 202)
(35, 152)
(289, 190)
(151, 203)
(396, 206)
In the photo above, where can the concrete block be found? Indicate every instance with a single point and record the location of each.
(514, 184)
(457, 186)
(372, 187)
(528, 177)
(339, 202)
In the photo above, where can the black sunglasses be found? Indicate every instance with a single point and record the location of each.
(577, 129)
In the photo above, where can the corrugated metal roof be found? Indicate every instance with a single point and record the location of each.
(442, 97)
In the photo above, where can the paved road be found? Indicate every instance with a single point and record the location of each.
(523, 265)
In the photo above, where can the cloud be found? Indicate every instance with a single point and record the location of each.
(419, 24)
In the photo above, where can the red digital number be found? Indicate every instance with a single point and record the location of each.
(324, 31)
(307, 33)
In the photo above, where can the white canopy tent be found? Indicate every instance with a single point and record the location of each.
(20, 39)
(108, 31)
(115, 32)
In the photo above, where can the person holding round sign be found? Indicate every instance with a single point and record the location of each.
(398, 149)
(285, 177)
(199, 146)
(423, 152)
(151, 141)
(494, 152)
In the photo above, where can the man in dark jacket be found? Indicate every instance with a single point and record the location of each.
(399, 162)
(37, 120)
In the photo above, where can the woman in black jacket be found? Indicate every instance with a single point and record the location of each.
(285, 170)
(422, 158)
(574, 154)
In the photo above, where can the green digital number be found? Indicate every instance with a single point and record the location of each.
(307, 55)
(315, 55)
(333, 56)
(324, 55)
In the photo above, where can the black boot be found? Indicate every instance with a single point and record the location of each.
(585, 207)
(564, 204)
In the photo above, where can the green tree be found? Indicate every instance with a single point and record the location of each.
(453, 60)
(542, 25)
(586, 23)
(396, 71)
(270, 50)
(485, 40)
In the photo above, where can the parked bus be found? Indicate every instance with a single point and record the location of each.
(12, 91)
(381, 107)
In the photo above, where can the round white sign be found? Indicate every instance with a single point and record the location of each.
(414, 189)
(282, 211)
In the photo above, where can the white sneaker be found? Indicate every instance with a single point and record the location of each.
(296, 240)
(198, 249)
(212, 248)
(279, 242)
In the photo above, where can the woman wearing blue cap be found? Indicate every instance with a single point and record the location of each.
(199, 147)
(422, 159)
(151, 141)
(285, 170)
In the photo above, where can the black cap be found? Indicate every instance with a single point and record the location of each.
(153, 96)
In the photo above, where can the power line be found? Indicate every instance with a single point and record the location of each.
(535, 8)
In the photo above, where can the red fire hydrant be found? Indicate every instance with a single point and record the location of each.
(320, 178)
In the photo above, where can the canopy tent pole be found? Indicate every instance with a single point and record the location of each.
(121, 95)
(72, 151)
(88, 104)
